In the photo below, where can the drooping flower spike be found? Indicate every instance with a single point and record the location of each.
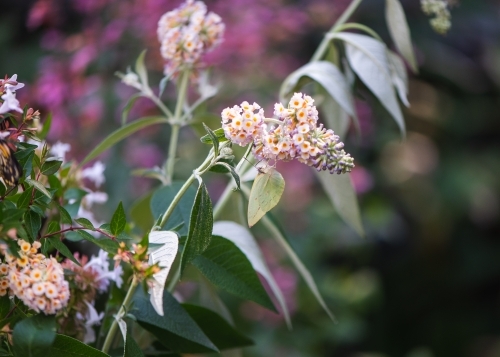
(295, 134)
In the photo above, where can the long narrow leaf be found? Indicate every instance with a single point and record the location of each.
(301, 268)
(200, 227)
(368, 58)
(330, 77)
(243, 239)
(122, 133)
(343, 197)
(400, 32)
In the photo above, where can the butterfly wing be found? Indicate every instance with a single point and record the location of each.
(10, 170)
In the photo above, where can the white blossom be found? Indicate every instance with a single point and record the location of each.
(10, 102)
(92, 318)
(95, 173)
(60, 149)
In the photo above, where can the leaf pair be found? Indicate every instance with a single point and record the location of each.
(187, 328)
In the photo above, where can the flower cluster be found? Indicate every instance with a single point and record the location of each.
(242, 124)
(87, 279)
(8, 87)
(186, 33)
(294, 135)
(36, 280)
(138, 258)
(441, 22)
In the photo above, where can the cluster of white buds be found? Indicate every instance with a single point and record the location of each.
(36, 280)
(441, 21)
(186, 33)
(295, 134)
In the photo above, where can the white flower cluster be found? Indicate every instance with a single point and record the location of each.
(186, 33)
(8, 89)
(36, 280)
(294, 135)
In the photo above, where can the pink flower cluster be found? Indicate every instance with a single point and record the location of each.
(36, 280)
(186, 33)
(294, 135)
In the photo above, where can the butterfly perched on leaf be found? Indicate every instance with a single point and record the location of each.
(10, 170)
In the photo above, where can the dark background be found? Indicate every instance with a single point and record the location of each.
(426, 279)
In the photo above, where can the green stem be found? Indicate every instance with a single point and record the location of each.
(241, 168)
(320, 51)
(174, 135)
(160, 105)
(123, 309)
(183, 190)
(176, 200)
(172, 148)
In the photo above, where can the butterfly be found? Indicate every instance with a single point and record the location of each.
(10, 170)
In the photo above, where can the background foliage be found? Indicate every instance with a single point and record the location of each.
(425, 280)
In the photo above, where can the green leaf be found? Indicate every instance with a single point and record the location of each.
(50, 166)
(224, 336)
(343, 197)
(244, 240)
(329, 77)
(131, 348)
(266, 192)
(39, 187)
(24, 199)
(34, 335)
(163, 197)
(200, 227)
(33, 223)
(335, 117)
(231, 170)
(37, 210)
(65, 346)
(163, 84)
(65, 217)
(368, 58)
(219, 134)
(222, 169)
(301, 268)
(400, 32)
(84, 222)
(4, 306)
(118, 221)
(26, 162)
(399, 76)
(140, 68)
(61, 248)
(46, 127)
(213, 138)
(129, 106)
(122, 133)
(176, 330)
(229, 269)
(108, 245)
